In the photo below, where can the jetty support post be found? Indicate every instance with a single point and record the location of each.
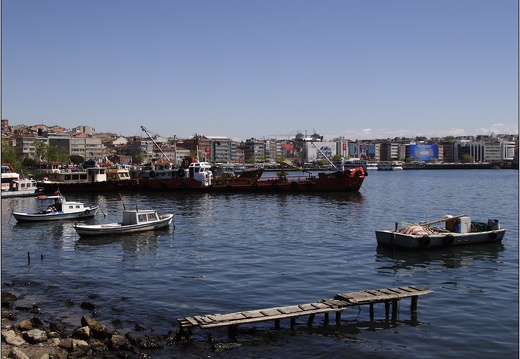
(232, 331)
(338, 317)
(413, 306)
(183, 332)
(310, 320)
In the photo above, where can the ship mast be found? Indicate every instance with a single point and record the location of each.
(323, 154)
(155, 143)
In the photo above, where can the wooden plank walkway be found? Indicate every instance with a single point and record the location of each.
(334, 305)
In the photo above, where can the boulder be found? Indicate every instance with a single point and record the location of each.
(8, 300)
(82, 333)
(35, 336)
(10, 337)
(17, 353)
(25, 325)
(98, 331)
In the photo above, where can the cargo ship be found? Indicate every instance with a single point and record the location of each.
(198, 176)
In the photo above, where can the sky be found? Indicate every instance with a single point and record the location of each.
(263, 68)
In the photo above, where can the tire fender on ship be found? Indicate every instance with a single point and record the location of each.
(448, 240)
(152, 174)
(87, 211)
(424, 241)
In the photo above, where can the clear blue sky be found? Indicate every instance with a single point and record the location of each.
(258, 68)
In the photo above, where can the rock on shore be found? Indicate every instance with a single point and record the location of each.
(36, 338)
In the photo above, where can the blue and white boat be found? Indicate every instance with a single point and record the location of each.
(56, 207)
(133, 221)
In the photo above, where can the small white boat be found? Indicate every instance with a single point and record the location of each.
(459, 230)
(22, 187)
(56, 207)
(390, 166)
(133, 221)
(372, 166)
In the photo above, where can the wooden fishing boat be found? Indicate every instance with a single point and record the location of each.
(56, 207)
(459, 230)
(133, 221)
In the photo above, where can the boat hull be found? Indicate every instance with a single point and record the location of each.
(117, 228)
(339, 181)
(55, 216)
(93, 187)
(408, 241)
(11, 194)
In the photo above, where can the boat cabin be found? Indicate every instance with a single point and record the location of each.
(8, 176)
(24, 185)
(118, 174)
(90, 175)
(58, 203)
(139, 217)
(201, 171)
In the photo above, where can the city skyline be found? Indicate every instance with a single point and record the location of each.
(267, 69)
(287, 137)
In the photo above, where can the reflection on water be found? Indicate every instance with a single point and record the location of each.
(453, 257)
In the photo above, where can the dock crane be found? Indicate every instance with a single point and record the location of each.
(155, 143)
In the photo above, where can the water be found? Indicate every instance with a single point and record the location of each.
(232, 252)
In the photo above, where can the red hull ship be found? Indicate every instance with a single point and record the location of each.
(198, 177)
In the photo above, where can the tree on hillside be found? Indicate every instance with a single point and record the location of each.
(46, 153)
(9, 154)
(76, 159)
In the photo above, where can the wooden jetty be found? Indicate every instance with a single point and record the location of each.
(334, 305)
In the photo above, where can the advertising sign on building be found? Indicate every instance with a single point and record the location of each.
(326, 149)
(424, 152)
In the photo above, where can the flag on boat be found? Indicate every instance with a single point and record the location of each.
(119, 197)
(57, 192)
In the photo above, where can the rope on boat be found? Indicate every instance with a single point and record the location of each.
(418, 229)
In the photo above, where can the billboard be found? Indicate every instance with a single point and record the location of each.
(424, 152)
(327, 149)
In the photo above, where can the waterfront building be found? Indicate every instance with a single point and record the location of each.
(254, 150)
(222, 150)
(25, 146)
(88, 147)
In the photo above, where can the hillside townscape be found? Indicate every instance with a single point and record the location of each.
(27, 146)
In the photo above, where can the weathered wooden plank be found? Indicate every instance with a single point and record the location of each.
(202, 318)
(290, 309)
(226, 317)
(372, 296)
(334, 303)
(253, 314)
(337, 304)
(192, 321)
(319, 305)
(278, 316)
(270, 311)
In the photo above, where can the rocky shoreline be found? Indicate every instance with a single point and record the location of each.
(25, 334)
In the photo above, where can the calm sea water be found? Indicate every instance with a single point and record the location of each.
(232, 252)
